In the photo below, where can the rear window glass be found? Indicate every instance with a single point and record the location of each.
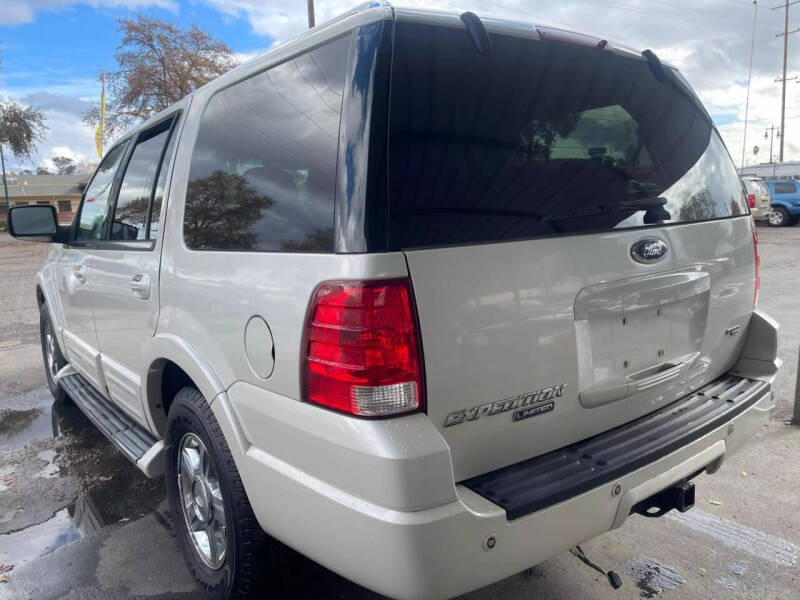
(540, 139)
(755, 186)
(263, 169)
(785, 187)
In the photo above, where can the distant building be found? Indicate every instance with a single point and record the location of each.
(62, 191)
(784, 170)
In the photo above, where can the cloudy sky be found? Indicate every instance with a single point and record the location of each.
(52, 51)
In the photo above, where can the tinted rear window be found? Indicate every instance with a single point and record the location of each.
(542, 138)
(264, 165)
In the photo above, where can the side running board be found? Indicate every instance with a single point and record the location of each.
(140, 446)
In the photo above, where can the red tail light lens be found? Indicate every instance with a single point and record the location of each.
(751, 200)
(758, 264)
(362, 350)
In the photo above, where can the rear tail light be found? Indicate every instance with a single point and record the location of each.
(751, 200)
(362, 349)
(758, 263)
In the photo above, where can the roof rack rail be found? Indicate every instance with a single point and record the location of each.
(477, 32)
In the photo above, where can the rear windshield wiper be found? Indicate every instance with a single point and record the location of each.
(654, 207)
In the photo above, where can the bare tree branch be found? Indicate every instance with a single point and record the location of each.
(21, 128)
(159, 63)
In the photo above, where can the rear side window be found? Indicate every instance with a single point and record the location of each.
(540, 139)
(263, 170)
(94, 208)
(136, 192)
(785, 187)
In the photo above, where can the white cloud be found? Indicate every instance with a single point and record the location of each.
(66, 135)
(15, 12)
(709, 42)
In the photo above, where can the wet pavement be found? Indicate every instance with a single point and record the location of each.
(78, 521)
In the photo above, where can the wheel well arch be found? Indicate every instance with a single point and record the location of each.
(164, 379)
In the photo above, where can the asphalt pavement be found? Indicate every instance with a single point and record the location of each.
(77, 521)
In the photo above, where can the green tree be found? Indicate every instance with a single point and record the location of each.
(64, 165)
(21, 129)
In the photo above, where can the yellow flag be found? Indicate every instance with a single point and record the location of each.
(98, 134)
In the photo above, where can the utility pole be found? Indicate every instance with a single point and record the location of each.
(311, 15)
(770, 132)
(786, 33)
(749, 76)
(5, 183)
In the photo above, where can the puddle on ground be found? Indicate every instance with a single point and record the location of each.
(111, 489)
(18, 427)
(39, 540)
(651, 576)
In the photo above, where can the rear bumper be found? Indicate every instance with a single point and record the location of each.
(441, 552)
(358, 519)
(537, 483)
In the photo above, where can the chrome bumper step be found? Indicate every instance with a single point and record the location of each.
(536, 483)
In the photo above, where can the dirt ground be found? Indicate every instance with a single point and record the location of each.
(77, 521)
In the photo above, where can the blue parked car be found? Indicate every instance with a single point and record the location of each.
(785, 194)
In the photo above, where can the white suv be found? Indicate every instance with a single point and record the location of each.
(428, 298)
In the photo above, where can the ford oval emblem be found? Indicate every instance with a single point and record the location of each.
(649, 250)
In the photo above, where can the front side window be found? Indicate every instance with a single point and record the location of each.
(94, 208)
(542, 138)
(263, 170)
(132, 211)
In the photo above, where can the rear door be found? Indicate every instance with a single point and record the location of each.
(576, 235)
(125, 269)
(74, 277)
(784, 192)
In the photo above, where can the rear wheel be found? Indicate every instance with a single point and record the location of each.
(223, 544)
(778, 217)
(54, 361)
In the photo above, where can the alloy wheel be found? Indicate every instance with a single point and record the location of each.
(50, 350)
(201, 501)
(776, 218)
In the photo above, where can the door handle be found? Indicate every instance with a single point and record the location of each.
(140, 285)
(79, 273)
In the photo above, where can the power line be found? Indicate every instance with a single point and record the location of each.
(749, 76)
(786, 33)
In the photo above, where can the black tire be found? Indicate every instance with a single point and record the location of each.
(58, 360)
(248, 550)
(779, 217)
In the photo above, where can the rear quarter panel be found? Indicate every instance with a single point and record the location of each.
(207, 297)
